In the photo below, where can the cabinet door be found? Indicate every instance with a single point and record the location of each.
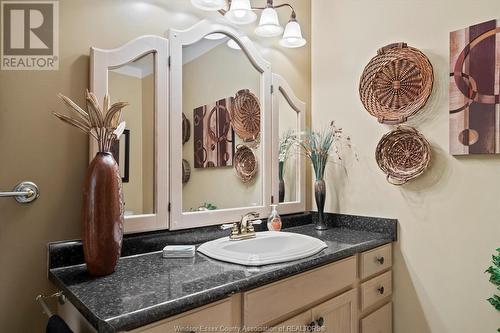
(338, 315)
(298, 323)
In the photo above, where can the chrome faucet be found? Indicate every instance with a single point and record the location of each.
(244, 229)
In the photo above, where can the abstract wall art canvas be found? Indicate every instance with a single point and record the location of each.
(475, 89)
(213, 135)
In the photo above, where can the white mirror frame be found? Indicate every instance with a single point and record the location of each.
(101, 61)
(178, 38)
(280, 86)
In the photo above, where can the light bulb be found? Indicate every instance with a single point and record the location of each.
(239, 13)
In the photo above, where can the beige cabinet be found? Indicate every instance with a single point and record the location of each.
(379, 321)
(277, 301)
(338, 315)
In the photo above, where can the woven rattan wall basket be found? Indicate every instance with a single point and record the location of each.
(403, 154)
(396, 83)
(245, 163)
(245, 115)
(186, 171)
(186, 129)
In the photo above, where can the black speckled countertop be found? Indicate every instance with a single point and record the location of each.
(146, 287)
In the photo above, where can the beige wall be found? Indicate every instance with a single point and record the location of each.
(36, 146)
(449, 218)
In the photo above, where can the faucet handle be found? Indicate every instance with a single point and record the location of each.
(226, 226)
(254, 215)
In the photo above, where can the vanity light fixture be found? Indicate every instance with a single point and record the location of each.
(241, 12)
(209, 5)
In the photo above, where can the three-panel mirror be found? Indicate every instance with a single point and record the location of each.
(207, 139)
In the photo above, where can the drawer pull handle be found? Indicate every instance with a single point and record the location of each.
(311, 327)
(381, 290)
(380, 260)
(316, 325)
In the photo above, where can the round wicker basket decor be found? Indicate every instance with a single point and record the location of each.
(403, 154)
(186, 171)
(245, 115)
(396, 83)
(245, 163)
(186, 129)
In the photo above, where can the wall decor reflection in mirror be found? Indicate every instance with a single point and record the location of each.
(221, 100)
(213, 135)
(121, 154)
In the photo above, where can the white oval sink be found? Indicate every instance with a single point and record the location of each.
(268, 247)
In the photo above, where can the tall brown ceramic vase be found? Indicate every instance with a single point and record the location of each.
(102, 215)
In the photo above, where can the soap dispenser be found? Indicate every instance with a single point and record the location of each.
(274, 220)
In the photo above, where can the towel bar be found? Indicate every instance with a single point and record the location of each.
(45, 308)
(24, 192)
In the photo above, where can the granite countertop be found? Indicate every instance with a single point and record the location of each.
(146, 287)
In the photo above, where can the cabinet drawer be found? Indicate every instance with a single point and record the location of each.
(375, 261)
(378, 322)
(270, 303)
(295, 324)
(216, 317)
(375, 290)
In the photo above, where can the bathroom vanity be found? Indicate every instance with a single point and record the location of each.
(191, 90)
(345, 288)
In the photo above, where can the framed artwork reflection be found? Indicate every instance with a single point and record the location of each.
(121, 153)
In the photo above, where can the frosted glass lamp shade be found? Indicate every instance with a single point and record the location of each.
(241, 12)
(292, 37)
(269, 25)
(209, 5)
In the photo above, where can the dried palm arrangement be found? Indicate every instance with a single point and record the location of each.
(287, 141)
(403, 154)
(102, 123)
(319, 146)
(396, 83)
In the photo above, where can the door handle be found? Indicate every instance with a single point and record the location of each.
(24, 192)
